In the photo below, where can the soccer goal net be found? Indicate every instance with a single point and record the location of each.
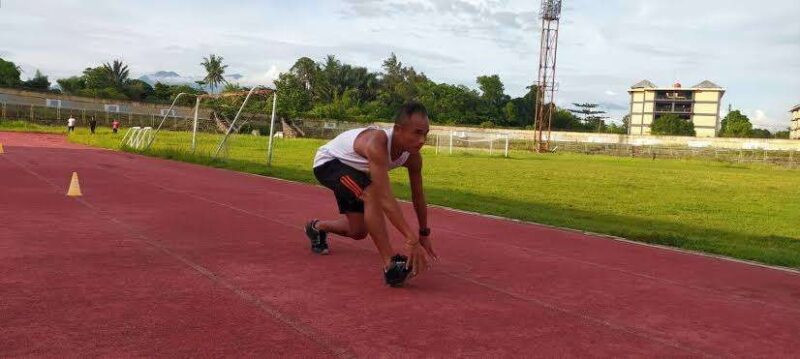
(137, 137)
(233, 123)
(493, 144)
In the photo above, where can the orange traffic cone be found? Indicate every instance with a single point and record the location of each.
(74, 187)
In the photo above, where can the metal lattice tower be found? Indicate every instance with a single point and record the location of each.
(550, 13)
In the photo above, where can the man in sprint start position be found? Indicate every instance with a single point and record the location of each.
(355, 166)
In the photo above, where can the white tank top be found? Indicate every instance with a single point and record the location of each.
(341, 148)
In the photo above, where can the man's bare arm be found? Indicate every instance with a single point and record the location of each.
(378, 156)
(414, 165)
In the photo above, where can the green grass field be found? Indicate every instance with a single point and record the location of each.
(748, 212)
(24, 126)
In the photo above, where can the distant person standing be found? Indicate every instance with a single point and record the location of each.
(92, 124)
(115, 126)
(71, 124)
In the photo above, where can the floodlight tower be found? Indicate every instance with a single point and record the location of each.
(550, 13)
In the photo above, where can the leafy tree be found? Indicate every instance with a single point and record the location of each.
(166, 93)
(341, 108)
(565, 120)
(782, 134)
(450, 103)
(760, 133)
(39, 82)
(97, 78)
(233, 87)
(626, 122)
(9, 74)
(72, 85)
(400, 83)
(138, 90)
(510, 111)
(306, 71)
(161, 91)
(617, 129)
(735, 124)
(672, 125)
(295, 98)
(215, 71)
(524, 109)
(493, 95)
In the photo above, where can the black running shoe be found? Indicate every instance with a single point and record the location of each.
(319, 239)
(396, 274)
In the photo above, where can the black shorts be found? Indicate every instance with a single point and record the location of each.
(347, 183)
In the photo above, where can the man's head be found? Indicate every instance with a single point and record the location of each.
(411, 127)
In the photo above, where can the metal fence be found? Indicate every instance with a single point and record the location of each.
(790, 159)
(57, 116)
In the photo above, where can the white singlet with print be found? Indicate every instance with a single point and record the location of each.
(341, 148)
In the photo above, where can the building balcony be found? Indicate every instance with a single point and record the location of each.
(677, 95)
(673, 107)
(674, 100)
(673, 111)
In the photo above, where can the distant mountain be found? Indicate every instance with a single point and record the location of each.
(173, 78)
(166, 74)
(169, 78)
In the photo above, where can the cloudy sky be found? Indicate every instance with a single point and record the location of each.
(752, 48)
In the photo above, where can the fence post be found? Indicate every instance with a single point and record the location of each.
(4, 110)
(451, 142)
(437, 143)
(506, 154)
(32, 120)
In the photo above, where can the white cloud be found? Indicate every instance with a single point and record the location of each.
(263, 78)
(760, 119)
(610, 93)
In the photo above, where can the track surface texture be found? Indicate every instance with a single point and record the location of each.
(167, 259)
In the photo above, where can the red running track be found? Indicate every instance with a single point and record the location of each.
(167, 259)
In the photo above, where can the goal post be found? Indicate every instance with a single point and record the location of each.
(474, 142)
(216, 112)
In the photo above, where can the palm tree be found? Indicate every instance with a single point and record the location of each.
(214, 71)
(117, 72)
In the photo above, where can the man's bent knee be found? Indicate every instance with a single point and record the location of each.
(358, 235)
